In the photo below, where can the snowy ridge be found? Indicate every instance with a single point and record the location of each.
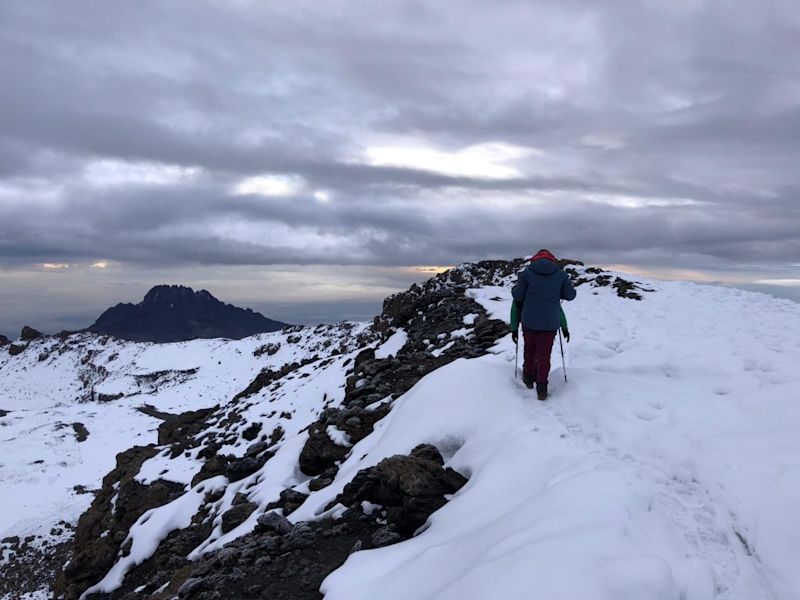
(666, 468)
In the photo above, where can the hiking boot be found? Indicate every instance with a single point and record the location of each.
(541, 391)
(528, 380)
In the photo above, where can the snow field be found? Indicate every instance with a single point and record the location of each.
(42, 460)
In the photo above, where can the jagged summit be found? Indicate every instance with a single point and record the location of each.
(173, 313)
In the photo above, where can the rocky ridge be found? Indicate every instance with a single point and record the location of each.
(239, 539)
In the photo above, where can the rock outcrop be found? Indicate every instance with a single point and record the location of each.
(28, 334)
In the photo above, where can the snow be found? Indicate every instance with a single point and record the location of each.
(667, 468)
(393, 345)
(180, 469)
(338, 437)
(439, 351)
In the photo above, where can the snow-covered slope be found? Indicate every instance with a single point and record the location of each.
(666, 468)
(69, 405)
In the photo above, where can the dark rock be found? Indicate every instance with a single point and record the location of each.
(291, 500)
(237, 515)
(320, 482)
(179, 428)
(242, 468)
(320, 452)
(362, 357)
(428, 452)
(353, 422)
(255, 449)
(268, 376)
(81, 433)
(268, 349)
(216, 465)
(191, 586)
(301, 536)
(276, 435)
(272, 521)
(385, 536)
(251, 432)
(4, 341)
(29, 334)
(410, 488)
(15, 349)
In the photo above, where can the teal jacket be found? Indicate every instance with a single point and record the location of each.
(515, 317)
(540, 287)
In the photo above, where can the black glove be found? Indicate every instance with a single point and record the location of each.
(565, 331)
(514, 336)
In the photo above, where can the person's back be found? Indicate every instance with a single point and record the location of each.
(538, 292)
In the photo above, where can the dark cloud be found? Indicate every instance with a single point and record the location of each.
(633, 132)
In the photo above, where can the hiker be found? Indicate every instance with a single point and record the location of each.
(537, 295)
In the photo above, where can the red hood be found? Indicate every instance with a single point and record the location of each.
(546, 255)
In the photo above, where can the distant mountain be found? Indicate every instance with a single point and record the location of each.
(173, 313)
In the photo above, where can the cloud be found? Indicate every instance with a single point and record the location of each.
(657, 135)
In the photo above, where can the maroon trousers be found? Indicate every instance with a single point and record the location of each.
(538, 346)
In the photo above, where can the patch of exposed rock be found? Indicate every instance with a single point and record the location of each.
(28, 334)
(409, 488)
(16, 349)
(25, 564)
(285, 561)
(103, 528)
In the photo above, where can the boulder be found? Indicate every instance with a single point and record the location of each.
(410, 488)
(29, 334)
(272, 521)
(252, 431)
(237, 515)
(385, 536)
(244, 467)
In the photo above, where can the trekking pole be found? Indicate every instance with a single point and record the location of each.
(516, 361)
(563, 364)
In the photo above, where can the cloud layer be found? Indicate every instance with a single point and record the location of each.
(189, 133)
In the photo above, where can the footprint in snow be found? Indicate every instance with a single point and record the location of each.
(646, 414)
(669, 370)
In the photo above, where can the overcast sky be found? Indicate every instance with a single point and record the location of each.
(308, 158)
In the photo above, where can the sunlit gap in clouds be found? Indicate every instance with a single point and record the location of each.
(626, 201)
(491, 160)
(279, 186)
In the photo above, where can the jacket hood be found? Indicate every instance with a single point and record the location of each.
(543, 266)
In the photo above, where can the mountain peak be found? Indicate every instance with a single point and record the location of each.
(172, 313)
(169, 294)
